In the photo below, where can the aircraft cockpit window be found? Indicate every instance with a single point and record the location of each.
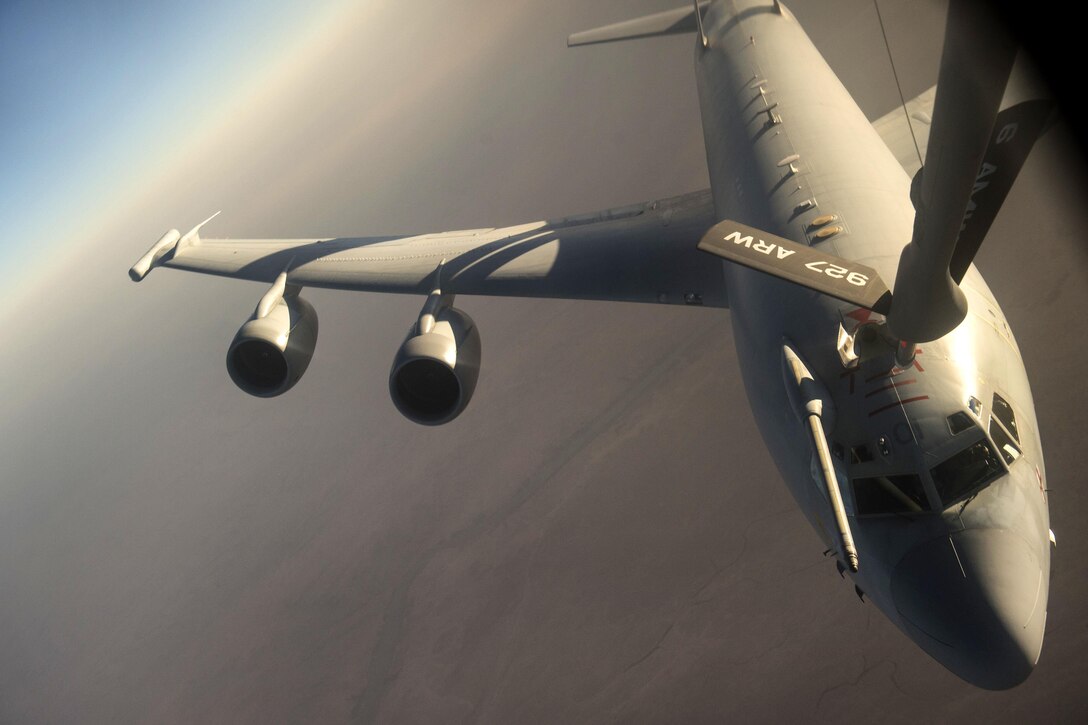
(959, 422)
(1003, 429)
(860, 454)
(889, 495)
(966, 472)
(975, 405)
(1003, 412)
(1009, 450)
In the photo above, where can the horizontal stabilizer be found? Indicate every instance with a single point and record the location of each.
(800, 264)
(669, 22)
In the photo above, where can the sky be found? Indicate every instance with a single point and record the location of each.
(102, 97)
(600, 536)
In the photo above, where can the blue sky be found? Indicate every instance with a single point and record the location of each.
(90, 90)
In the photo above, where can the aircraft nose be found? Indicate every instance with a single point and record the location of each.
(976, 602)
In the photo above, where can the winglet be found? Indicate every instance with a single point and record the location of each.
(154, 256)
(169, 244)
(669, 22)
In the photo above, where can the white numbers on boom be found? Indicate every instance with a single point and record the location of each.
(835, 271)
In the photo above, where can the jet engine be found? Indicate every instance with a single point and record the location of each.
(273, 348)
(435, 370)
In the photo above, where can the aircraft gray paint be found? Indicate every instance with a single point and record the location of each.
(918, 464)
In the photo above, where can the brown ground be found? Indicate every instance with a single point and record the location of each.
(600, 537)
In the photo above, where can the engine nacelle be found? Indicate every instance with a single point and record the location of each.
(435, 370)
(273, 349)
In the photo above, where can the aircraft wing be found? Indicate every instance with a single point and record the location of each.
(641, 253)
(897, 134)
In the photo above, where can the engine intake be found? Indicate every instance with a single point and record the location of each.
(273, 348)
(435, 370)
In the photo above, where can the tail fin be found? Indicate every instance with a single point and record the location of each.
(669, 22)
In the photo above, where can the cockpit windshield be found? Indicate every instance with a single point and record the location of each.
(889, 495)
(1004, 431)
(966, 472)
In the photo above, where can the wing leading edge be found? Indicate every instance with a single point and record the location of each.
(641, 253)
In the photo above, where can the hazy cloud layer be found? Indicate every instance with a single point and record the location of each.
(601, 536)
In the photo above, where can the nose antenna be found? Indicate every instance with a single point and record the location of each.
(812, 407)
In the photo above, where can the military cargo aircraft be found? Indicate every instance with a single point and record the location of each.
(882, 373)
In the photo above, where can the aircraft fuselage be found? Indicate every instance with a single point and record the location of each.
(948, 514)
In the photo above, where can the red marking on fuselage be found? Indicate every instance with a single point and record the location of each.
(897, 404)
(896, 370)
(887, 374)
(889, 386)
(917, 365)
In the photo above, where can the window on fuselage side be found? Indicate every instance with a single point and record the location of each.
(1003, 412)
(1009, 450)
(966, 472)
(959, 422)
(1003, 429)
(860, 454)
